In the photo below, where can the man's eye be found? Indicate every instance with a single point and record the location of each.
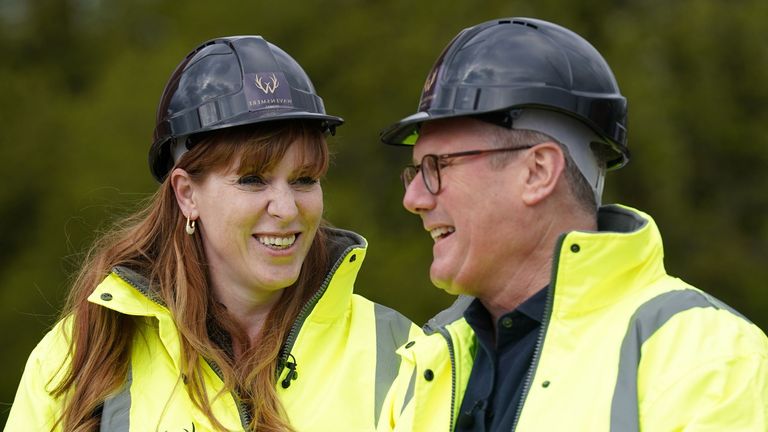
(251, 180)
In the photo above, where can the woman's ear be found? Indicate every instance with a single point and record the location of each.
(184, 189)
(546, 164)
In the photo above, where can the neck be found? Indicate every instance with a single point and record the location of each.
(525, 278)
(249, 308)
(532, 271)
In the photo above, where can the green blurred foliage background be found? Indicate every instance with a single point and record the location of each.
(80, 80)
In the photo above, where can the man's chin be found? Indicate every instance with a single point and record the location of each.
(447, 285)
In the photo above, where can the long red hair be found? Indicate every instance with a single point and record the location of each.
(153, 242)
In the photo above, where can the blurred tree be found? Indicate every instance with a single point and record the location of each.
(80, 81)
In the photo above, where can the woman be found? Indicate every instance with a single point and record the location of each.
(226, 304)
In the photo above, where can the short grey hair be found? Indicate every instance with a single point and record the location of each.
(499, 137)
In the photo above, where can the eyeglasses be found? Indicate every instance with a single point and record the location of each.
(431, 164)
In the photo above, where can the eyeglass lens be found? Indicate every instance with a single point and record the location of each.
(431, 172)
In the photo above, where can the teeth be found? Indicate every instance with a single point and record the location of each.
(441, 231)
(277, 242)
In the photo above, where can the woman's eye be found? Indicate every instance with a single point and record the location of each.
(251, 180)
(305, 181)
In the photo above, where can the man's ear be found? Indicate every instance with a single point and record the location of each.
(545, 165)
(184, 189)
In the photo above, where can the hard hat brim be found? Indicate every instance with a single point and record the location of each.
(161, 163)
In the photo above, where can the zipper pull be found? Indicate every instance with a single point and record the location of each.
(292, 374)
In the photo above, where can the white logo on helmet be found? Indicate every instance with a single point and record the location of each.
(267, 87)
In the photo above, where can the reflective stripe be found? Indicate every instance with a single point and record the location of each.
(648, 318)
(409, 392)
(115, 417)
(392, 330)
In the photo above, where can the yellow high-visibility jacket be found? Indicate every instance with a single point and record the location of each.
(342, 344)
(624, 347)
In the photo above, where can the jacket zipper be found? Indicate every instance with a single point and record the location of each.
(242, 410)
(542, 332)
(444, 332)
(305, 310)
(244, 413)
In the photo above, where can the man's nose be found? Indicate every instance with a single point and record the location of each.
(417, 198)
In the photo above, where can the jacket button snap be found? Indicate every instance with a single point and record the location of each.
(428, 374)
(507, 322)
(106, 296)
(410, 344)
(352, 258)
(575, 248)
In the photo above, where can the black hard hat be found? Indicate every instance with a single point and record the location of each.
(230, 82)
(515, 63)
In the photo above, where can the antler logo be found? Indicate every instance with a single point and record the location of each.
(267, 87)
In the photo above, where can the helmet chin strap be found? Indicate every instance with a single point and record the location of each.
(574, 135)
(178, 148)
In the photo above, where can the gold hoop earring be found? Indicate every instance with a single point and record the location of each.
(190, 228)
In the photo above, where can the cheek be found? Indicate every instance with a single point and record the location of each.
(231, 214)
(312, 206)
(482, 222)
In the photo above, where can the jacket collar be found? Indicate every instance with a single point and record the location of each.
(591, 270)
(127, 291)
(447, 316)
(347, 251)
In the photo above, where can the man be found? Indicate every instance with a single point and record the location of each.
(568, 320)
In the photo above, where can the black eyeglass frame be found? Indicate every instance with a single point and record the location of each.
(443, 160)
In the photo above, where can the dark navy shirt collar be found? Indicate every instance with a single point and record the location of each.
(479, 318)
(534, 306)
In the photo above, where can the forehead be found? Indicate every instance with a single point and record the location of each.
(450, 135)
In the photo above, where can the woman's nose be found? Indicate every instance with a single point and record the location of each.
(282, 203)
